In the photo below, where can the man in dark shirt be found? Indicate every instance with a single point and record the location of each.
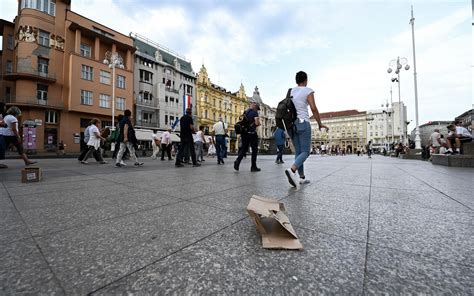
(127, 140)
(250, 138)
(187, 141)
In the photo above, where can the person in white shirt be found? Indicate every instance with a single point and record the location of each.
(435, 141)
(199, 143)
(155, 143)
(458, 135)
(302, 97)
(219, 133)
(2, 124)
(10, 135)
(94, 142)
(166, 144)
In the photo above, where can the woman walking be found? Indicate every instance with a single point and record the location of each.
(94, 142)
(301, 135)
(10, 135)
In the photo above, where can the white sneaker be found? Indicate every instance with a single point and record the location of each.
(304, 181)
(291, 177)
(123, 163)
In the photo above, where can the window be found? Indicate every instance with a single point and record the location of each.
(10, 41)
(9, 67)
(47, 6)
(104, 101)
(166, 119)
(86, 50)
(147, 117)
(43, 65)
(120, 104)
(8, 92)
(51, 117)
(120, 81)
(87, 72)
(42, 92)
(43, 38)
(86, 97)
(104, 77)
(147, 96)
(146, 76)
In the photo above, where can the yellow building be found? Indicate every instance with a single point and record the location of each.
(214, 102)
(347, 129)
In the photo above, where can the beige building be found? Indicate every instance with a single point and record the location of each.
(347, 129)
(214, 102)
(267, 120)
(52, 68)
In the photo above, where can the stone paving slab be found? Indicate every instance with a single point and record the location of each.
(23, 271)
(393, 272)
(87, 258)
(375, 226)
(12, 227)
(233, 262)
(65, 216)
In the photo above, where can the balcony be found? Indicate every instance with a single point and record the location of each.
(173, 90)
(146, 123)
(34, 102)
(30, 74)
(147, 103)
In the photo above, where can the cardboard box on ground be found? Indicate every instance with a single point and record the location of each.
(30, 174)
(271, 221)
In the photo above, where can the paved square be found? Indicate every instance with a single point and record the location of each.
(374, 226)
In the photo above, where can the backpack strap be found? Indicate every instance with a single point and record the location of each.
(288, 94)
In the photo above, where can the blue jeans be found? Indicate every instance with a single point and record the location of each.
(280, 152)
(302, 141)
(220, 147)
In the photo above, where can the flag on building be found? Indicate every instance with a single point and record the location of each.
(186, 103)
(173, 127)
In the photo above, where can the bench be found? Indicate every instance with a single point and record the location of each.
(458, 160)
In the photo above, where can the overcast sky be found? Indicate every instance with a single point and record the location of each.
(344, 46)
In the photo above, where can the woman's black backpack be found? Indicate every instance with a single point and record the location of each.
(286, 113)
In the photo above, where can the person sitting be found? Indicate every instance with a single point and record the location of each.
(456, 137)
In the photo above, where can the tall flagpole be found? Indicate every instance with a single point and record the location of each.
(417, 130)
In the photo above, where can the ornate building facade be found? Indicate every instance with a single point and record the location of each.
(267, 120)
(52, 68)
(214, 102)
(347, 129)
(387, 125)
(163, 82)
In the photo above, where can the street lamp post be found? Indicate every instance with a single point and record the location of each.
(397, 64)
(387, 113)
(417, 129)
(113, 59)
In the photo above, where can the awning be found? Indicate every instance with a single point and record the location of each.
(143, 135)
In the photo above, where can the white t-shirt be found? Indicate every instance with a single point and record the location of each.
(219, 128)
(300, 99)
(94, 140)
(434, 139)
(9, 120)
(460, 130)
(165, 138)
(198, 136)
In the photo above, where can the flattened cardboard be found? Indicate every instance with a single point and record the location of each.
(271, 221)
(30, 174)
